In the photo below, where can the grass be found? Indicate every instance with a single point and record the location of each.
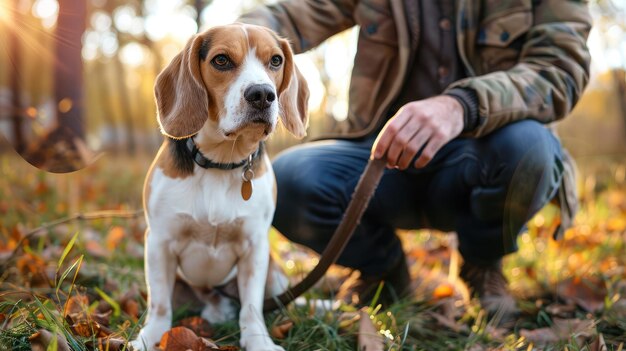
(102, 260)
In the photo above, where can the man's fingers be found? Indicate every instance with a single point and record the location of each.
(386, 136)
(400, 143)
(412, 147)
(434, 144)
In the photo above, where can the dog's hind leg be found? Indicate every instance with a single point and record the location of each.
(277, 281)
(217, 307)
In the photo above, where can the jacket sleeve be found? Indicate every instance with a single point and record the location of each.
(305, 23)
(550, 76)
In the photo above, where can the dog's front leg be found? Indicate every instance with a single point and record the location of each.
(251, 276)
(160, 268)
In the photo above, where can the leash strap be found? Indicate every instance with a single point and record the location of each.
(360, 199)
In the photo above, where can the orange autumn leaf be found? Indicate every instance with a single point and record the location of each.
(183, 339)
(131, 307)
(179, 338)
(443, 290)
(41, 188)
(281, 331)
(106, 344)
(89, 328)
(588, 293)
(30, 263)
(95, 249)
(76, 304)
(115, 236)
(198, 325)
(616, 224)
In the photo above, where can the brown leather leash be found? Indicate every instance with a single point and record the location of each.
(360, 199)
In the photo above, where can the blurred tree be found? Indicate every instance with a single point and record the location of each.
(15, 58)
(619, 79)
(68, 72)
(610, 21)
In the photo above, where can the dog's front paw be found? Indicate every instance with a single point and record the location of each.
(147, 340)
(138, 345)
(272, 347)
(258, 343)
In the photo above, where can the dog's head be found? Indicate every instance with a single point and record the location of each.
(236, 78)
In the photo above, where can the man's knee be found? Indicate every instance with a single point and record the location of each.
(306, 197)
(526, 144)
(523, 172)
(298, 179)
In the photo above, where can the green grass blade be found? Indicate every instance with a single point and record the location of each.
(54, 343)
(116, 306)
(66, 251)
(76, 263)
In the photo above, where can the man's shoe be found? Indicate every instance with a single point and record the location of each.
(359, 290)
(490, 285)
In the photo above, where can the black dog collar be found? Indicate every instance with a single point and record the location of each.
(204, 162)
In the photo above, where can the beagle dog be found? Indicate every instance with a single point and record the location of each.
(210, 194)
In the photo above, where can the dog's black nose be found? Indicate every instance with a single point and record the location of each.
(260, 96)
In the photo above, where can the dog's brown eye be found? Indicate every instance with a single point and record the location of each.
(276, 61)
(221, 62)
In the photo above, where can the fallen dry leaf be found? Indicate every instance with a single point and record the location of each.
(43, 338)
(76, 304)
(369, 339)
(542, 336)
(443, 290)
(449, 323)
(89, 328)
(95, 249)
(29, 263)
(561, 330)
(115, 237)
(198, 325)
(561, 310)
(179, 338)
(281, 331)
(106, 344)
(84, 323)
(131, 307)
(184, 339)
(588, 292)
(599, 344)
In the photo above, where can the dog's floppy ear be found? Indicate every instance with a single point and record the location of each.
(181, 96)
(293, 95)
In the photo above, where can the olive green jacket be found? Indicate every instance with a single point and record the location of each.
(524, 59)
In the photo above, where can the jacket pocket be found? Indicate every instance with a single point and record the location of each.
(500, 38)
(376, 22)
(503, 30)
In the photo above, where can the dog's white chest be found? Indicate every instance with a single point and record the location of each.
(208, 224)
(207, 253)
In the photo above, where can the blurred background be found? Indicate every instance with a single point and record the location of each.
(76, 80)
(76, 76)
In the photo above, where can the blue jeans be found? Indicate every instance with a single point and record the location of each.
(485, 189)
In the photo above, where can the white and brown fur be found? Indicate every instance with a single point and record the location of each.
(199, 226)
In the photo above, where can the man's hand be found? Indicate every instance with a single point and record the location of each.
(432, 122)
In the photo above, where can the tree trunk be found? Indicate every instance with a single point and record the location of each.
(68, 68)
(15, 58)
(199, 6)
(619, 78)
(127, 112)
